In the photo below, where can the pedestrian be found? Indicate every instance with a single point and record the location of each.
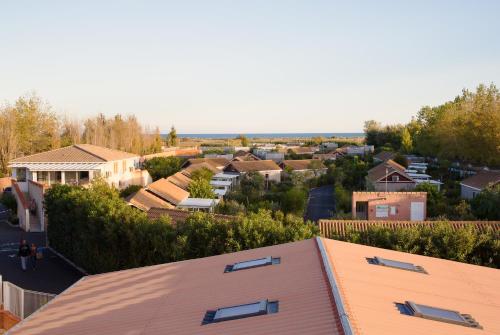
(24, 253)
(33, 251)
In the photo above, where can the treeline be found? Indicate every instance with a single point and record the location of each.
(30, 125)
(98, 231)
(465, 129)
(440, 239)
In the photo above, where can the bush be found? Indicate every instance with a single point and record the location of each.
(437, 240)
(9, 201)
(131, 189)
(486, 205)
(98, 231)
(162, 167)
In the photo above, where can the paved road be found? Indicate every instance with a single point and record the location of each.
(321, 203)
(52, 274)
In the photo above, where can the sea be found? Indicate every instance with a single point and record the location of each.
(271, 135)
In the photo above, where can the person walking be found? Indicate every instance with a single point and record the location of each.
(33, 255)
(24, 253)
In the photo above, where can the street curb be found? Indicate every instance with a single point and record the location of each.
(68, 261)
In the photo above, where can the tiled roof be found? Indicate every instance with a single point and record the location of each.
(301, 164)
(214, 162)
(384, 155)
(329, 227)
(249, 166)
(144, 200)
(379, 171)
(304, 150)
(168, 191)
(316, 280)
(174, 298)
(179, 215)
(482, 179)
(180, 180)
(77, 153)
(193, 167)
(371, 292)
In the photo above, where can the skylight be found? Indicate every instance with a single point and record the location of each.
(396, 264)
(440, 314)
(252, 264)
(241, 311)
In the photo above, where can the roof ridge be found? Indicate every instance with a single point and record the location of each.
(91, 153)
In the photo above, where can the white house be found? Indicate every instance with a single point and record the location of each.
(472, 186)
(77, 164)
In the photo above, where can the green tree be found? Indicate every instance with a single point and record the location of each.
(172, 137)
(244, 140)
(202, 173)
(162, 167)
(294, 201)
(406, 141)
(436, 202)
(201, 188)
(486, 205)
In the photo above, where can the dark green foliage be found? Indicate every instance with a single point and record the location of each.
(201, 188)
(401, 160)
(436, 202)
(129, 190)
(343, 199)
(389, 136)
(202, 173)
(98, 231)
(486, 205)
(436, 240)
(230, 207)
(162, 167)
(9, 201)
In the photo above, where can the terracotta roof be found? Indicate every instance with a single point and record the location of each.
(248, 156)
(301, 164)
(180, 180)
(378, 172)
(315, 281)
(249, 166)
(5, 182)
(144, 200)
(482, 179)
(193, 167)
(214, 162)
(384, 155)
(329, 227)
(77, 153)
(179, 215)
(174, 298)
(168, 191)
(372, 291)
(304, 150)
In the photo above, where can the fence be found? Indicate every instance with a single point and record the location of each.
(20, 302)
(329, 228)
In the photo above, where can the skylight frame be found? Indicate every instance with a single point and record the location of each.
(391, 263)
(252, 263)
(419, 310)
(257, 308)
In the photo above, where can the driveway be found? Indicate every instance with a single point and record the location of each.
(52, 274)
(321, 204)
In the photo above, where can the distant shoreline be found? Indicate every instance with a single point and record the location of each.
(269, 135)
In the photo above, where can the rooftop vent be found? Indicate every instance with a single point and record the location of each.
(241, 311)
(254, 263)
(396, 264)
(438, 314)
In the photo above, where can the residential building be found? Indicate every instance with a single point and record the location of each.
(242, 155)
(329, 156)
(383, 156)
(217, 163)
(225, 156)
(180, 179)
(203, 165)
(389, 206)
(266, 154)
(390, 177)
(77, 164)
(145, 200)
(307, 167)
(353, 150)
(198, 204)
(267, 168)
(304, 150)
(317, 286)
(328, 146)
(472, 186)
(168, 191)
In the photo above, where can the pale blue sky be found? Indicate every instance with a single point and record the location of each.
(248, 66)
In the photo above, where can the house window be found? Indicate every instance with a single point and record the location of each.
(124, 166)
(254, 263)
(381, 211)
(438, 314)
(21, 174)
(262, 307)
(115, 168)
(394, 210)
(395, 178)
(396, 264)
